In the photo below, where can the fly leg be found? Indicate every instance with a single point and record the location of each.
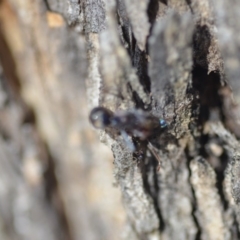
(155, 154)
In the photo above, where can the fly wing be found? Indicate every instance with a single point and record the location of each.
(136, 123)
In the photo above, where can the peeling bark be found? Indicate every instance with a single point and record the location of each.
(175, 60)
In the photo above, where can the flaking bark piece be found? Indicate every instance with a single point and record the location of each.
(139, 57)
(206, 47)
(231, 184)
(119, 77)
(170, 68)
(170, 54)
(139, 205)
(210, 210)
(226, 13)
(137, 13)
(87, 15)
(175, 195)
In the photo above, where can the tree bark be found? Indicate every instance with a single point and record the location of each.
(176, 60)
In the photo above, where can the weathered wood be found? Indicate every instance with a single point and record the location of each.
(177, 60)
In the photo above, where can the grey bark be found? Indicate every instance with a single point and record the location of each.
(177, 60)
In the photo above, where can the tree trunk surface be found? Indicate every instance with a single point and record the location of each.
(177, 60)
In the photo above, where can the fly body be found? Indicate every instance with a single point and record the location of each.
(135, 123)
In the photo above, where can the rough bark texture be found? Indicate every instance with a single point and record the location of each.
(175, 59)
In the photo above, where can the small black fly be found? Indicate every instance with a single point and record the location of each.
(135, 123)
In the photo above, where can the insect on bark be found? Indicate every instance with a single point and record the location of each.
(134, 123)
